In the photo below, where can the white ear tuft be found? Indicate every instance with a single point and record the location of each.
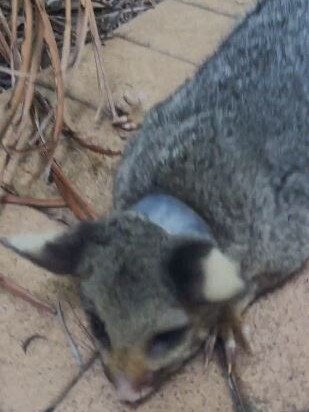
(222, 279)
(58, 252)
(28, 243)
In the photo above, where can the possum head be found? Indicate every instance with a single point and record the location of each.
(150, 297)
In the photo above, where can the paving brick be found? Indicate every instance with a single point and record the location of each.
(130, 65)
(232, 8)
(180, 30)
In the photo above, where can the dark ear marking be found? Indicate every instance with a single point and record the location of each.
(185, 270)
(202, 273)
(57, 252)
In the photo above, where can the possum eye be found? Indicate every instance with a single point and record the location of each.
(165, 341)
(98, 330)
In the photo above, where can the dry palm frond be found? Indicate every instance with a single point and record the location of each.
(34, 34)
(109, 15)
(29, 39)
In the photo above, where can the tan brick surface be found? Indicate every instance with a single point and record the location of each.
(233, 8)
(180, 30)
(128, 65)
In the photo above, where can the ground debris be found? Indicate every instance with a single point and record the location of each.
(20, 292)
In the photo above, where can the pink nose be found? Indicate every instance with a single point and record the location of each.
(129, 391)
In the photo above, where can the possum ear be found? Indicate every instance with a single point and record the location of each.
(202, 273)
(57, 252)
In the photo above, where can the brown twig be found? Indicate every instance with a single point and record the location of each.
(14, 18)
(81, 33)
(99, 55)
(15, 56)
(24, 294)
(67, 37)
(56, 65)
(25, 345)
(34, 67)
(26, 54)
(81, 209)
(25, 65)
(31, 201)
(82, 326)
(73, 382)
(4, 48)
(4, 24)
(94, 147)
(72, 345)
(21, 137)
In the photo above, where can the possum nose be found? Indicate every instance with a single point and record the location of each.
(133, 391)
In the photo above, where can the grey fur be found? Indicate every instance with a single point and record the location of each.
(233, 142)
